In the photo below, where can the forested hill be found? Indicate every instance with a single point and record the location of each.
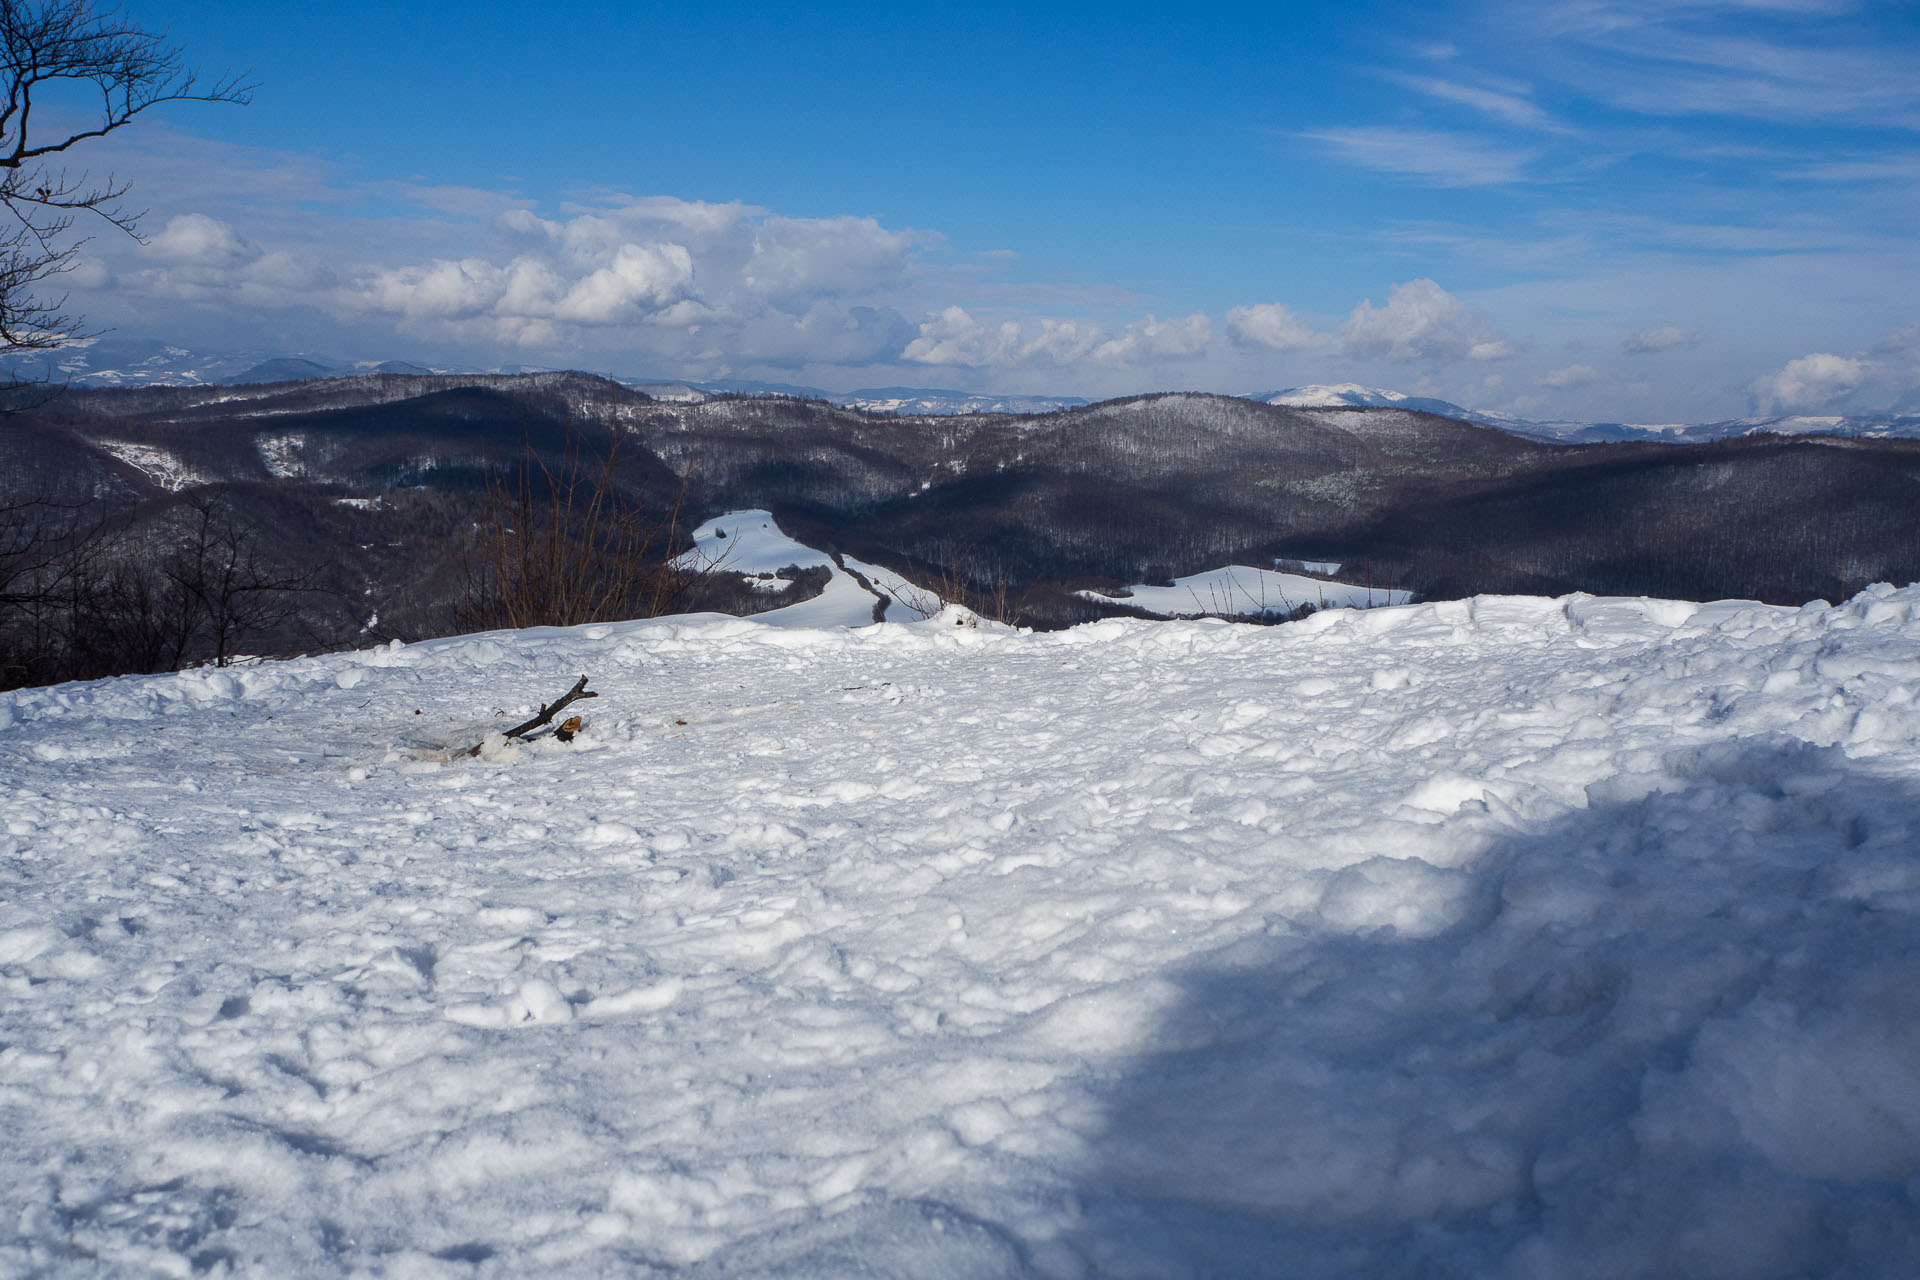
(1132, 490)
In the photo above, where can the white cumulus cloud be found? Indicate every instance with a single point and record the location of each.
(679, 278)
(437, 290)
(1421, 321)
(194, 239)
(953, 336)
(1151, 339)
(823, 257)
(641, 278)
(1270, 325)
(1811, 383)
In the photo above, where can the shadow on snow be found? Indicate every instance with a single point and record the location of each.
(1676, 1033)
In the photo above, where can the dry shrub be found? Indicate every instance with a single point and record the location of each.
(958, 573)
(559, 544)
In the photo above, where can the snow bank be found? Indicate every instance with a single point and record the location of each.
(1240, 590)
(1503, 937)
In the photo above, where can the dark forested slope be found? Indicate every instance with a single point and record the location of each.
(376, 480)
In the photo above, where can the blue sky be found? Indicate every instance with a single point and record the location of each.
(1584, 208)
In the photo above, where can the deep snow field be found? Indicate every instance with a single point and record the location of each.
(1506, 938)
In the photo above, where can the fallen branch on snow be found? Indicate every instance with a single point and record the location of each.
(547, 713)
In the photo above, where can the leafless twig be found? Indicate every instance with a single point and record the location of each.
(547, 713)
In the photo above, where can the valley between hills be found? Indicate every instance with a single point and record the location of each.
(368, 491)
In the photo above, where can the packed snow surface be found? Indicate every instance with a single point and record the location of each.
(1242, 591)
(1504, 937)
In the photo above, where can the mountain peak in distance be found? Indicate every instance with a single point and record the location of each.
(1352, 394)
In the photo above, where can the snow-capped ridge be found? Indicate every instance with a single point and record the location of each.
(1351, 394)
(1880, 426)
(1869, 426)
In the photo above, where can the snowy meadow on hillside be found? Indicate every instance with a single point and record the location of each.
(1500, 937)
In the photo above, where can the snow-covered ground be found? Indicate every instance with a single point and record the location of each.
(1243, 591)
(1505, 937)
(749, 542)
(752, 543)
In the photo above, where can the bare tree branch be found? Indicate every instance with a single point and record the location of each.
(47, 47)
(547, 713)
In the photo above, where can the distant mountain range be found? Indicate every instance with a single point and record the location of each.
(114, 361)
(1880, 426)
(919, 400)
(373, 485)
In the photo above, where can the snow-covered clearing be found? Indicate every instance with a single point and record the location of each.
(751, 543)
(1243, 591)
(1505, 937)
(164, 468)
(281, 455)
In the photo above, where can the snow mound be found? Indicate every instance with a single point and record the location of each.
(1501, 937)
(1240, 590)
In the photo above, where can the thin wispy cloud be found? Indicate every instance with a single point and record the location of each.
(1904, 340)
(1600, 17)
(1747, 78)
(1900, 167)
(1647, 342)
(1573, 375)
(1783, 61)
(1428, 156)
(1512, 108)
(1745, 239)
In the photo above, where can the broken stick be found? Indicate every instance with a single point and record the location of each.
(547, 713)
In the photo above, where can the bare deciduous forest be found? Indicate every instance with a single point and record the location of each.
(146, 530)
